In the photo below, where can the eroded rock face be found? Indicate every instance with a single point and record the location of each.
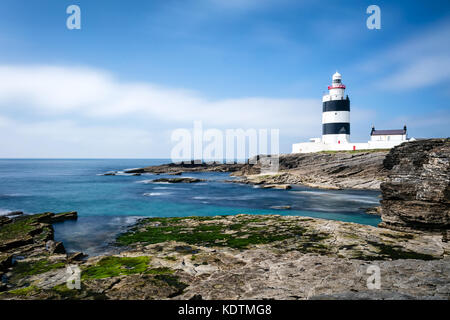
(416, 195)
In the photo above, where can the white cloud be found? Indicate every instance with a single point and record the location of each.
(423, 72)
(60, 111)
(96, 94)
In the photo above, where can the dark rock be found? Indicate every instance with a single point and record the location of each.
(277, 186)
(14, 213)
(191, 166)
(416, 194)
(374, 211)
(76, 256)
(178, 180)
(15, 243)
(45, 217)
(59, 217)
(5, 261)
(4, 220)
(55, 247)
(176, 173)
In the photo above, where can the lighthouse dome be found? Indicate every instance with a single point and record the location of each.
(336, 76)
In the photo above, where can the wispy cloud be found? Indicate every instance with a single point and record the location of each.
(97, 94)
(420, 61)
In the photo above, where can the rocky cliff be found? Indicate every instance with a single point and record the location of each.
(416, 194)
(326, 170)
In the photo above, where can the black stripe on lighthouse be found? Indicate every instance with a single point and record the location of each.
(336, 105)
(336, 128)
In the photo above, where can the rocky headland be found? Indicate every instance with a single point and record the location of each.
(327, 170)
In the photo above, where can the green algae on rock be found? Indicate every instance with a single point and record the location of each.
(283, 234)
(118, 266)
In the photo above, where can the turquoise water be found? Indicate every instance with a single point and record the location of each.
(108, 204)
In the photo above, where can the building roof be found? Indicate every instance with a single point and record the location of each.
(388, 132)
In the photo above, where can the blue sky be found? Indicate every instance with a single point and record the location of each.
(137, 70)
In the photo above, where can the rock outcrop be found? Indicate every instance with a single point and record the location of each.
(327, 170)
(178, 180)
(416, 195)
(179, 168)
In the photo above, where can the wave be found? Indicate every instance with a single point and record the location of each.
(230, 198)
(151, 181)
(127, 220)
(4, 212)
(316, 193)
(10, 195)
(154, 194)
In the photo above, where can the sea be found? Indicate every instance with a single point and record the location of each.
(108, 205)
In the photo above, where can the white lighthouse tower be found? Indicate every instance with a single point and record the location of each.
(336, 127)
(336, 113)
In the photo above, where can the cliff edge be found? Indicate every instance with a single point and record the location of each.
(416, 194)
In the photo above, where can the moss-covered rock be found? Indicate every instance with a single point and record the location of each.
(119, 266)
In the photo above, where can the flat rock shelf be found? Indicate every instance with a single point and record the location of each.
(239, 257)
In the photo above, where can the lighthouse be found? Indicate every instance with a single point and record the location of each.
(336, 113)
(336, 127)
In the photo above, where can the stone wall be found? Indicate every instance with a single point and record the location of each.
(416, 194)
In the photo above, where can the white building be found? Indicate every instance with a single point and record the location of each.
(336, 126)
